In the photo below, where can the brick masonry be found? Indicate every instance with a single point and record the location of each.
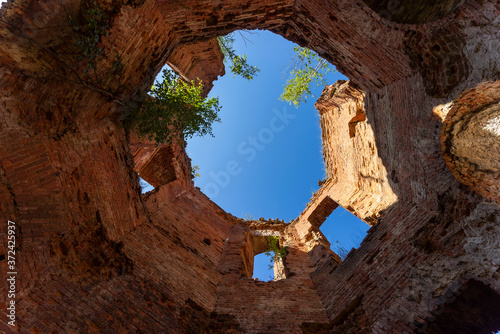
(97, 256)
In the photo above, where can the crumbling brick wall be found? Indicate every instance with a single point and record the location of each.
(175, 258)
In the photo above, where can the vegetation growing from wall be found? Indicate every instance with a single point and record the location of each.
(239, 64)
(274, 251)
(90, 26)
(195, 171)
(89, 34)
(174, 110)
(306, 68)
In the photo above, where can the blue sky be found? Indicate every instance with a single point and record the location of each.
(273, 149)
(265, 157)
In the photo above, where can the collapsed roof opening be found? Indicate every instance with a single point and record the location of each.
(261, 143)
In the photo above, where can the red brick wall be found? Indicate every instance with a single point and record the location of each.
(176, 261)
(422, 250)
(289, 305)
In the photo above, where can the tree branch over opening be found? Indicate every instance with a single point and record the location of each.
(239, 65)
(305, 68)
(176, 110)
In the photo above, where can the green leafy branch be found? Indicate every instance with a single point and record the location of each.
(305, 68)
(275, 252)
(175, 110)
(239, 64)
(90, 34)
(195, 171)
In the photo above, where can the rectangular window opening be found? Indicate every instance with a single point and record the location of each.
(344, 231)
(270, 262)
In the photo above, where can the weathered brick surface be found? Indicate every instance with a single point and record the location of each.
(406, 11)
(356, 176)
(159, 164)
(199, 61)
(285, 306)
(469, 139)
(171, 260)
(439, 57)
(406, 271)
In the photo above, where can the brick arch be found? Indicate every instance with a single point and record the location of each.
(320, 25)
(364, 47)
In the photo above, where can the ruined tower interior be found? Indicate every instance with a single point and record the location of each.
(411, 145)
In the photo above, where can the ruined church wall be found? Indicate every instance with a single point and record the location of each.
(68, 183)
(423, 250)
(288, 305)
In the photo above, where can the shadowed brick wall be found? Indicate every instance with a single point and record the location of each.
(95, 255)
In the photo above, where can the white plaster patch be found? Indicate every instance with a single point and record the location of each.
(442, 110)
(493, 126)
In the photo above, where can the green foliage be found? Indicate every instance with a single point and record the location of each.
(274, 252)
(175, 110)
(90, 34)
(239, 65)
(306, 67)
(194, 171)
